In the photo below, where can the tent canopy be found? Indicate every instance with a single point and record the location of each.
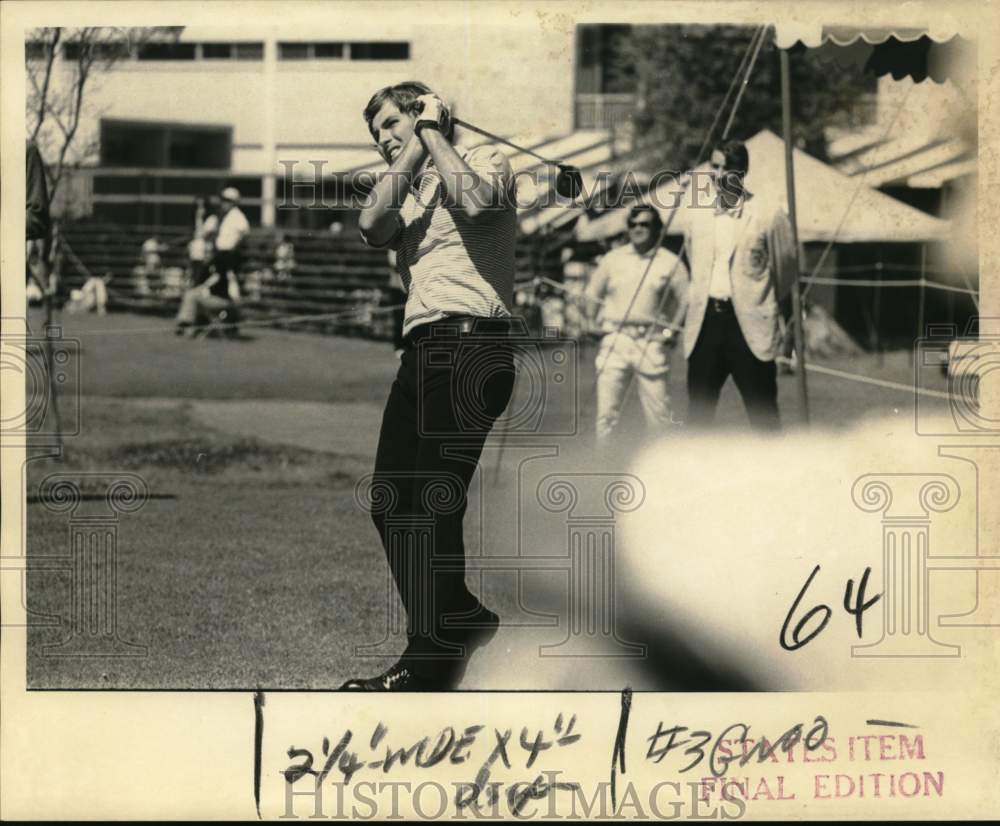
(813, 35)
(830, 205)
(918, 53)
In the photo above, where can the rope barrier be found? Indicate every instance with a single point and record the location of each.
(75, 259)
(857, 191)
(656, 321)
(758, 32)
(975, 299)
(753, 47)
(868, 282)
(261, 322)
(828, 371)
(891, 267)
(843, 374)
(823, 280)
(759, 36)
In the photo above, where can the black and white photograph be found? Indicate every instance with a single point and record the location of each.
(486, 353)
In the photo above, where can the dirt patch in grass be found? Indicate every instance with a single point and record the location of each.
(202, 456)
(162, 442)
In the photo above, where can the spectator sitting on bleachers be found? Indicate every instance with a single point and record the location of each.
(284, 258)
(146, 275)
(91, 297)
(218, 298)
(254, 277)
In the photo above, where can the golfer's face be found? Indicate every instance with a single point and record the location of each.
(391, 130)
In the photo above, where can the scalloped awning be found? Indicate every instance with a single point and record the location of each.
(788, 34)
(914, 52)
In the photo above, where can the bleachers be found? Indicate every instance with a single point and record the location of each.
(332, 275)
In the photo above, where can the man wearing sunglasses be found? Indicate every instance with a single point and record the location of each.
(637, 286)
(742, 256)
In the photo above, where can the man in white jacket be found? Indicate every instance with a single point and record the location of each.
(742, 264)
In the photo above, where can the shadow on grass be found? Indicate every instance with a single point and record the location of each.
(95, 497)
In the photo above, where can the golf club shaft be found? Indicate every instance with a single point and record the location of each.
(485, 134)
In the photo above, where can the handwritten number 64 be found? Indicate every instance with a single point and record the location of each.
(857, 609)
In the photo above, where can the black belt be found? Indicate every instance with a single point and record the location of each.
(720, 305)
(459, 325)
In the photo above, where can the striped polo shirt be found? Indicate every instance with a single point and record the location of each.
(449, 263)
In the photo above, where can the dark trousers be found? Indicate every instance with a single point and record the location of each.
(722, 351)
(228, 261)
(448, 392)
(199, 272)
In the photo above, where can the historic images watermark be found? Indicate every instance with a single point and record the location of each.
(965, 359)
(908, 502)
(582, 508)
(308, 185)
(547, 396)
(416, 513)
(49, 365)
(552, 795)
(95, 503)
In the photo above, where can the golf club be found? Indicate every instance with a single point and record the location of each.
(569, 182)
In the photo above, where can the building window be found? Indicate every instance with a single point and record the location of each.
(311, 51)
(249, 51)
(293, 51)
(380, 51)
(155, 144)
(229, 51)
(328, 51)
(36, 50)
(166, 51)
(112, 50)
(216, 51)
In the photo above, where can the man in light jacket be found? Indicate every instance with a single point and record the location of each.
(743, 262)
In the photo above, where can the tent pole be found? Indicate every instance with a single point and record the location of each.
(877, 312)
(798, 330)
(922, 306)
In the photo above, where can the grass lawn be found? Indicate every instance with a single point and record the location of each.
(252, 565)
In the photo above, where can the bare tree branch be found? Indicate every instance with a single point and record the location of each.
(86, 58)
(43, 92)
(60, 83)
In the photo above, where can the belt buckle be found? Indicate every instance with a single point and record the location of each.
(484, 325)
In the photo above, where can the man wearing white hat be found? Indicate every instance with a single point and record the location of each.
(233, 228)
(220, 291)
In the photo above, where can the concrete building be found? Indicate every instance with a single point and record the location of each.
(220, 106)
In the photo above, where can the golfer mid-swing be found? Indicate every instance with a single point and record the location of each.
(450, 214)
